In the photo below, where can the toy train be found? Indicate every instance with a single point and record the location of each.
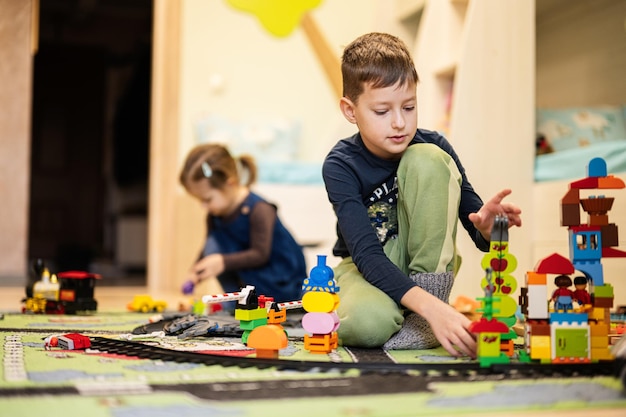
(68, 292)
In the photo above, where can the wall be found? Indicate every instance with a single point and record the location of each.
(476, 63)
(15, 94)
(231, 67)
(581, 61)
(581, 53)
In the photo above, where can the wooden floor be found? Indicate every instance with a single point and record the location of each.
(109, 298)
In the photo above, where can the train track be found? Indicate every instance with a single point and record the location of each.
(376, 373)
(455, 370)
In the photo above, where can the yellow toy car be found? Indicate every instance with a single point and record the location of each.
(145, 304)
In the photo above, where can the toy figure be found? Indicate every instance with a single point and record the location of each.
(581, 295)
(562, 296)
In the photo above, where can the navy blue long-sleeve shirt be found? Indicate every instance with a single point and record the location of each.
(354, 177)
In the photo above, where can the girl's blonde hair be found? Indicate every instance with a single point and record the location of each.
(214, 163)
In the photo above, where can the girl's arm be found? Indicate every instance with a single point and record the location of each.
(262, 222)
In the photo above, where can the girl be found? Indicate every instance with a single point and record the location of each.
(247, 243)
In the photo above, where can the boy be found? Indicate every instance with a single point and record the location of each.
(397, 192)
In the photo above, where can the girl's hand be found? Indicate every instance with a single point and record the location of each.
(188, 287)
(483, 220)
(208, 267)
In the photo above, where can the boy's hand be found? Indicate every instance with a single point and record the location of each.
(483, 220)
(450, 327)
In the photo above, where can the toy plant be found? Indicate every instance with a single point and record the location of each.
(502, 264)
(488, 329)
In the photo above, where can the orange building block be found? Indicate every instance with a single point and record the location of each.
(535, 278)
(321, 343)
(268, 340)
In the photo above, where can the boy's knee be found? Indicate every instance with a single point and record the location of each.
(368, 325)
(426, 160)
(427, 155)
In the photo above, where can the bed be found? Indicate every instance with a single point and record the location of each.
(571, 137)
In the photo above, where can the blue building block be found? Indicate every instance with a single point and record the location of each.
(591, 251)
(597, 168)
(580, 318)
(593, 270)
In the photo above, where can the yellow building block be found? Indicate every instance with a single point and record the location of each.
(601, 354)
(320, 302)
(599, 342)
(488, 345)
(540, 347)
(596, 314)
(249, 315)
(597, 330)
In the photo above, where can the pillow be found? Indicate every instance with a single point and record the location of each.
(577, 127)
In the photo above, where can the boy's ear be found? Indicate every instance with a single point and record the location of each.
(347, 108)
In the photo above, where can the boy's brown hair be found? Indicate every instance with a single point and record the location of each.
(379, 59)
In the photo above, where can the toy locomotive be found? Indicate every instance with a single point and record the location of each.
(68, 292)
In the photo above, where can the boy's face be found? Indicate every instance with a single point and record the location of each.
(386, 118)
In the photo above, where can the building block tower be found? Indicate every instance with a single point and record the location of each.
(502, 284)
(320, 300)
(270, 338)
(488, 329)
(575, 332)
(250, 311)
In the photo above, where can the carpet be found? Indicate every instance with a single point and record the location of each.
(38, 381)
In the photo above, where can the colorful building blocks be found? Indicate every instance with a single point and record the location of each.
(488, 329)
(259, 317)
(320, 300)
(499, 282)
(270, 338)
(251, 311)
(576, 328)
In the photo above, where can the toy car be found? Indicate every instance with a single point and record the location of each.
(144, 304)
